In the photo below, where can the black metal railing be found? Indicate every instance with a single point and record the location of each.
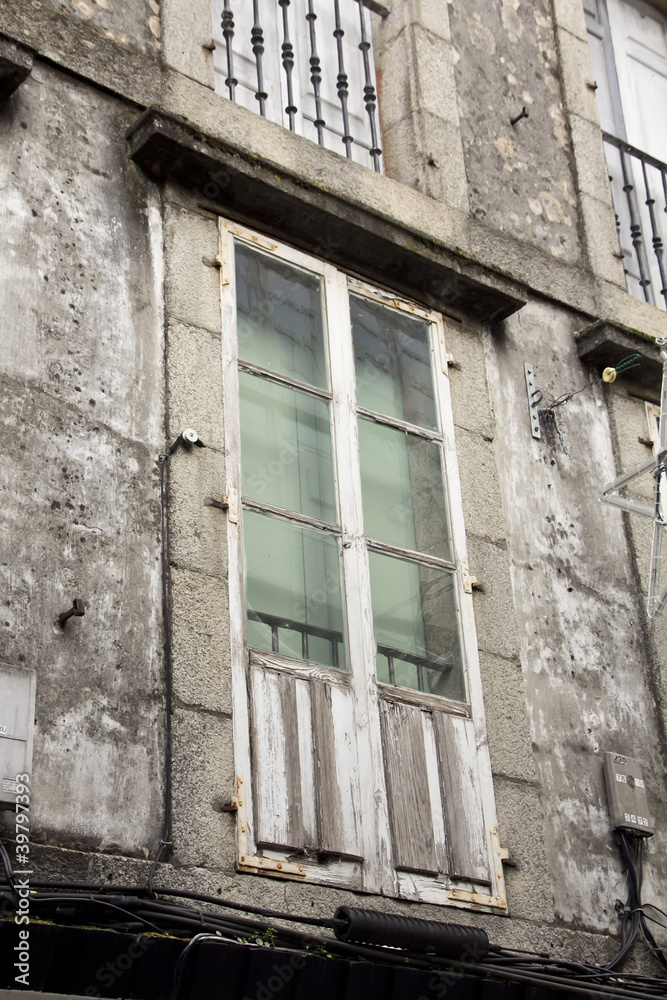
(286, 26)
(276, 623)
(335, 640)
(420, 662)
(639, 190)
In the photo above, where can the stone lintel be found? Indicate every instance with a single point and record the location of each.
(350, 236)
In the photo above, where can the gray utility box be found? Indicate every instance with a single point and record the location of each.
(626, 793)
(17, 716)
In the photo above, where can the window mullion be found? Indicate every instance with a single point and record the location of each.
(378, 871)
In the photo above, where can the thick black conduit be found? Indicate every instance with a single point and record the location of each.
(373, 927)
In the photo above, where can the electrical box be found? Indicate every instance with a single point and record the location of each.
(626, 793)
(17, 716)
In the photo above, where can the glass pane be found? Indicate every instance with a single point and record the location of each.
(416, 628)
(393, 363)
(403, 490)
(286, 448)
(293, 590)
(279, 317)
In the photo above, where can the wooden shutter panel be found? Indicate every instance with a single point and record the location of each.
(305, 764)
(436, 812)
(459, 777)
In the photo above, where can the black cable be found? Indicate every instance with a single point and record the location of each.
(38, 898)
(7, 865)
(166, 619)
(174, 919)
(186, 894)
(182, 959)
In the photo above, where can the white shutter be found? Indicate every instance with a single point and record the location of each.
(639, 38)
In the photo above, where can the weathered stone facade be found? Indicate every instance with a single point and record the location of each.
(112, 345)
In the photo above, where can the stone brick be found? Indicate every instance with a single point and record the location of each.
(506, 719)
(193, 289)
(494, 607)
(200, 641)
(588, 149)
(185, 32)
(482, 504)
(601, 237)
(197, 530)
(203, 779)
(194, 368)
(520, 823)
(576, 76)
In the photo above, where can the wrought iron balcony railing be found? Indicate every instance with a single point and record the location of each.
(303, 633)
(639, 192)
(306, 64)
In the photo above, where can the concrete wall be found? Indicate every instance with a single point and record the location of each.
(99, 376)
(82, 391)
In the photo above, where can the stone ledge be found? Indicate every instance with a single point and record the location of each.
(604, 345)
(15, 65)
(357, 238)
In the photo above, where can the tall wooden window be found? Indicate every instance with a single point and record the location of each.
(358, 716)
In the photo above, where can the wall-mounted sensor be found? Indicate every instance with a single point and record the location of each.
(190, 436)
(187, 437)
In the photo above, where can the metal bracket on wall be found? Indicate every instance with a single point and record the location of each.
(535, 396)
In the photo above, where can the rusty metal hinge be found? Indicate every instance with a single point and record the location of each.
(470, 582)
(230, 503)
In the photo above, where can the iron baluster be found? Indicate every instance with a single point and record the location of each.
(635, 223)
(655, 232)
(228, 35)
(341, 81)
(369, 89)
(315, 73)
(257, 38)
(288, 64)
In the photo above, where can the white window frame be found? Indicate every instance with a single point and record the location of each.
(377, 873)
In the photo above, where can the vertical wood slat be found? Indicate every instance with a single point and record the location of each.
(461, 794)
(278, 784)
(337, 770)
(409, 799)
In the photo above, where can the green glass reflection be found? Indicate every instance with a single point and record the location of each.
(393, 363)
(279, 317)
(416, 628)
(402, 489)
(286, 448)
(293, 590)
